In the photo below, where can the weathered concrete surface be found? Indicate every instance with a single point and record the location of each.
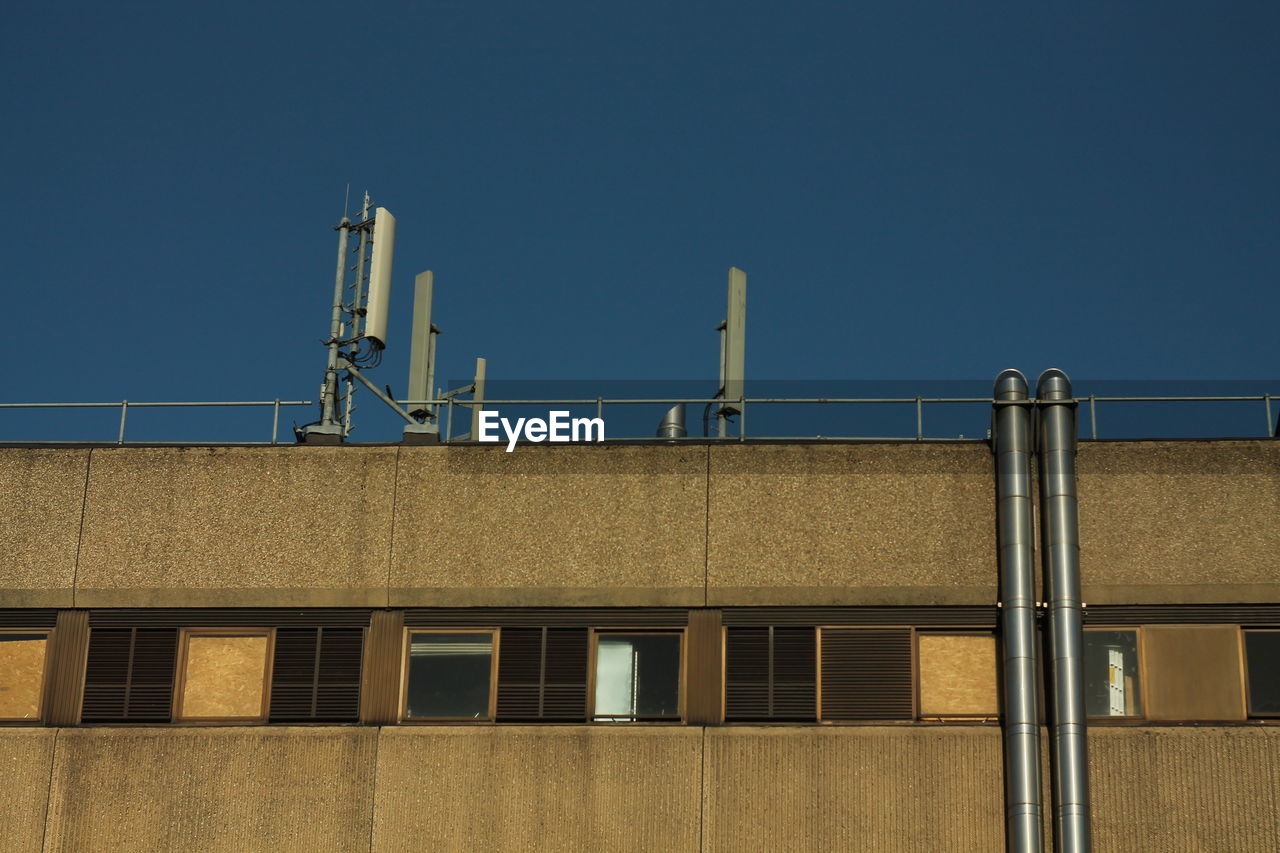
(613, 525)
(852, 524)
(923, 789)
(1215, 790)
(238, 790)
(25, 758)
(548, 788)
(214, 526)
(42, 491)
(1179, 521)
(1161, 522)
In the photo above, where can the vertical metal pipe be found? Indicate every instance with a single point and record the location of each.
(1061, 537)
(1023, 806)
(275, 421)
(124, 412)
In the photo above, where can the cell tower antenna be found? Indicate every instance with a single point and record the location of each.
(358, 326)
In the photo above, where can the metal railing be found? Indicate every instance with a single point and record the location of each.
(1271, 429)
(598, 404)
(124, 406)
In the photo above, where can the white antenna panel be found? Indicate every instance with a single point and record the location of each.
(379, 301)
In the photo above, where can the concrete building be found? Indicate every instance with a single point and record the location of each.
(219, 648)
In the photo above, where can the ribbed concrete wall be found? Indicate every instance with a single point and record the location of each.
(548, 788)
(1215, 790)
(889, 789)
(613, 525)
(26, 757)
(573, 788)
(211, 789)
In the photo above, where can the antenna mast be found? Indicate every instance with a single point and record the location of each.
(357, 324)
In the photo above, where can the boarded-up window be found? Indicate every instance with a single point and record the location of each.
(542, 674)
(1194, 672)
(866, 674)
(771, 674)
(22, 658)
(129, 675)
(224, 675)
(315, 675)
(958, 675)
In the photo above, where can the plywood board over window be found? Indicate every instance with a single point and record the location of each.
(1194, 672)
(22, 659)
(958, 675)
(224, 675)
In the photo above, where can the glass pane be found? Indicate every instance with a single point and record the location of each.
(637, 676)
(224, 677)
(1262, 650)
(21, 675)
(958, 675)
(1111, 687)
(449, 675)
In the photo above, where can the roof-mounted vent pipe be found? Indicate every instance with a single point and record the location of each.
(1060, 533)
(672, 425)
(1012, 446)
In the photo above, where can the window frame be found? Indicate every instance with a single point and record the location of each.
(915, 679)
(1140, 652)
(495, 634)
(593, 635)
(180, 676)
(1250, 716)
(42, 699)
(920, 716)
(768, 721)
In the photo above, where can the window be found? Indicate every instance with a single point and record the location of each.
(958, 675)
(315, 675)
(1262, 661)
(542, 675)
(1112, 683)
(1192, 672)
(450, 675)
(771, 673)
(224, 675)
(22, 660)
(866, 674)
(637, 676)
(129, 675)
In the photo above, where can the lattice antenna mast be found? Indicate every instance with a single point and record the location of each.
(358, 322)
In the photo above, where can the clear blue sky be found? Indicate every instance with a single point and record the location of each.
(917, 190)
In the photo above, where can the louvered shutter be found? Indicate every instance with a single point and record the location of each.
(867, 674)
(315, 675)
(770, 674)
(129, 675)
(542, 674)
(564, 694)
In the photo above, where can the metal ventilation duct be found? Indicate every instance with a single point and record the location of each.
(672, 425)
(1012, 445)
(1061, 548)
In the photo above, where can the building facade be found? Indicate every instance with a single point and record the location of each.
(653, 647)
